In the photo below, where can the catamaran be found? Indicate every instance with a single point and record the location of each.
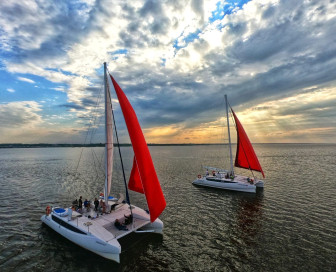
(100, 232)
(245, 158)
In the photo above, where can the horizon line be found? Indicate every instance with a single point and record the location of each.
(18, 145)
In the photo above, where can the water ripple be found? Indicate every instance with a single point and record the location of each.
(289, 226)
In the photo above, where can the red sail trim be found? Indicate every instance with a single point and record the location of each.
(245, 156)
(143, 173)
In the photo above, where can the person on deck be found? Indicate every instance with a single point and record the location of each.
(119, 226)
(87, 204)
(102, 206)
(128, 219)
(96, 204)
(80, 203)
(75, 203)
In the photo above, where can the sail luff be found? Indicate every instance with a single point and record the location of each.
(245, 155)
(143, 172)
(108, 138)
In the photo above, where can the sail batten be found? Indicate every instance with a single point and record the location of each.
(245, 155)
(143, 178)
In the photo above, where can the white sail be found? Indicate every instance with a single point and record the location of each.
(109, 139)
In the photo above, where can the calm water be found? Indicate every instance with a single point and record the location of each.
(290, 226)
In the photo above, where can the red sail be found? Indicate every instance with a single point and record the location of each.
(245, 156)
(143, 177)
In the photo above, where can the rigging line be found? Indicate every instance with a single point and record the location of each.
(86, 136)
(96, 114)
(93, 134)
(94, 161)
(99, 163)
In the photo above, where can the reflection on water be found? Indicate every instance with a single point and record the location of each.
(249, 215)
(285, 227)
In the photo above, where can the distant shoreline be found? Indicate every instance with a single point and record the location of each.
(85, 145)
(102, 145)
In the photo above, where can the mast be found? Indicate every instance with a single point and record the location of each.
(228, 126)
(106, 144)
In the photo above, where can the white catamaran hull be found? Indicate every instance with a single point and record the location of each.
(99, 235)
(228, 184)
(109, 250)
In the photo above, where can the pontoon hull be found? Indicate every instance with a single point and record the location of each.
(109, 250)
(222, 184)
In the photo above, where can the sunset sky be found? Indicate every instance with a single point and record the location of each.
(175, 60)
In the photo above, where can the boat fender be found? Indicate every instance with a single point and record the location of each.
(48, 210)
(199, 176)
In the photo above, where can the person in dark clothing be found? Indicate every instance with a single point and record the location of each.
(119, 226)
(128, 219)
(96, 204)
(80, 203)
(75, 204)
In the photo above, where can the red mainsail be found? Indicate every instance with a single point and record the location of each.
(245, 156)
(143, 177)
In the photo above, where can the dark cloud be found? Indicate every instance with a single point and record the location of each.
(72, 106)
(160, 26)
(151, 8)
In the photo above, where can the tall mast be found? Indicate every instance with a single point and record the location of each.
(228, 126)
(106, 166)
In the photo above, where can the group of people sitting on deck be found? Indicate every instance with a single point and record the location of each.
(99, 206)
(122, 226)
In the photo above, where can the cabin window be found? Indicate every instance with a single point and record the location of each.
(66, 225)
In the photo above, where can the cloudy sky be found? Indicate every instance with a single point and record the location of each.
(175, 60)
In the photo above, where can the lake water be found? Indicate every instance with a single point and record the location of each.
(289, 226)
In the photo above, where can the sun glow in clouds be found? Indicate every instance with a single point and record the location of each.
(175, 60)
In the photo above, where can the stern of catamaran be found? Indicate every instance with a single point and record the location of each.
(154, 227)
(259, 184)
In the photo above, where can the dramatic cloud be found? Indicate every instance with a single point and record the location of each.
(22, 120)
(175, 61)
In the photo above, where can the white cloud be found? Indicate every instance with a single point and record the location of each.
(23, 122)
(59, 89)
(10, 90)
(266, 50)
(26, 79)
(19, 114)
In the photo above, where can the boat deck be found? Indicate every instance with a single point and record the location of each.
(102, 226)
(222, 178)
